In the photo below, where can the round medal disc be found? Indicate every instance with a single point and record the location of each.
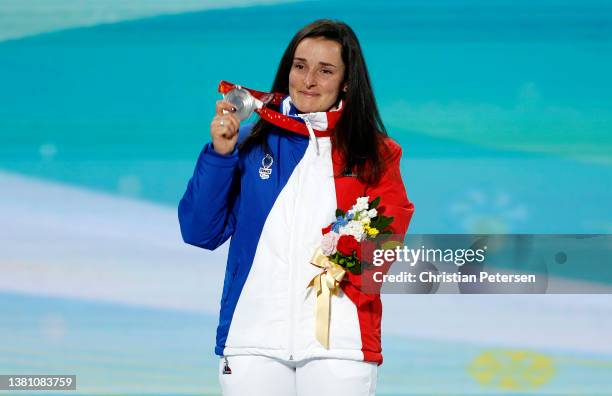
(242, 101)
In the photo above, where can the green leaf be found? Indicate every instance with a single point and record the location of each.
(375, 203)
(384, 222)
(339, 212)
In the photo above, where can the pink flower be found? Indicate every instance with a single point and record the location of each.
(328, 243)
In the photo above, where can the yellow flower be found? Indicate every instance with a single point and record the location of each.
(372, 231)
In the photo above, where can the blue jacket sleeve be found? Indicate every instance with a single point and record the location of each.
(208, 210)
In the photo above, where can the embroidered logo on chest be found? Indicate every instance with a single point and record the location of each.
(266, 167)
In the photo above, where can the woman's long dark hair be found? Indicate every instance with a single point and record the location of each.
(359, 132)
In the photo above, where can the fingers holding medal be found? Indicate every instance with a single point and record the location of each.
(224, 128)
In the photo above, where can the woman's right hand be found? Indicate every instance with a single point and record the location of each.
(224, 128)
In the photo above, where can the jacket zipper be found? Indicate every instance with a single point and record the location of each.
(291, 295)
(292, 271)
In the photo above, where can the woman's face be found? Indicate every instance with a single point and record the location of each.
(316, 75)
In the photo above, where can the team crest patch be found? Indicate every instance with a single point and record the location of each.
(266, 167)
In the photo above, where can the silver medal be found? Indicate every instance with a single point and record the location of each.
(243, 101)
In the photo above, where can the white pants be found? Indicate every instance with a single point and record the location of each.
(259, 375)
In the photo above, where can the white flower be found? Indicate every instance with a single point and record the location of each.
(372, 213)
(363, 200)
(365, 220)
(354, 228)
(362, 204)
(329, 243)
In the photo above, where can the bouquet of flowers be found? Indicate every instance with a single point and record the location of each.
(354, 231)
(341, 251)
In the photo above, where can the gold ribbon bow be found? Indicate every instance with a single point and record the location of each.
(325, 284)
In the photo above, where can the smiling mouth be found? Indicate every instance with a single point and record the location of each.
(308, 94)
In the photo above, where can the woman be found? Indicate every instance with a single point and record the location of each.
(272, 191)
